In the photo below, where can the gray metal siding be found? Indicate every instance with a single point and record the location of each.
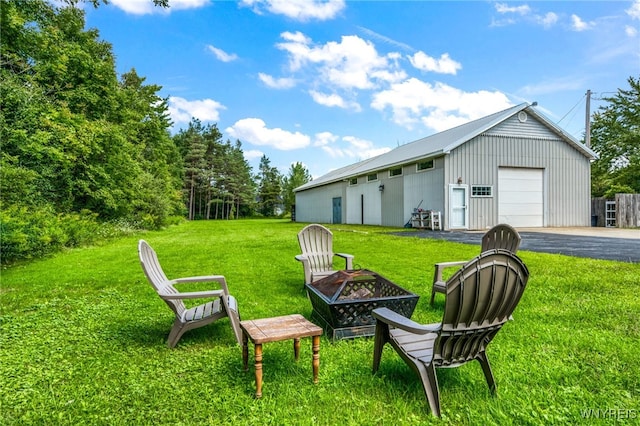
(316, 205)
(567, 175)
(533, 143)
(424, 188)
(353, 206)
(531, 128)
(391, 199)
(363, 203)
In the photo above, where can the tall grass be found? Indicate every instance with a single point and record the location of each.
(83, 338)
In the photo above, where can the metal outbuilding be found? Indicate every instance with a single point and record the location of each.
(514, 166)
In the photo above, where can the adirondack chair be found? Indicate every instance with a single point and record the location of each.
(316, 244)
(480, 299)
(222, 305)
(500, 236)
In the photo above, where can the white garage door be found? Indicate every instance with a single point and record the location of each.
(520, 197)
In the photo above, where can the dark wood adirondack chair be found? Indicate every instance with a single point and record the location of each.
(222, 305)
(500, 236)
(480, 299)
(316, 244)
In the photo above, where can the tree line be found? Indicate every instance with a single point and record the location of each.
(87, 153)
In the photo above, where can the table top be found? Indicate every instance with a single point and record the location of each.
(279, 328)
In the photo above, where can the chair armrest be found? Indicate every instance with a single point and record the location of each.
(437, 276)
(348, 258)
(193, 294)
(201, 279)
(344, 255)
(394, 319)
(220, 279)
(306, 266)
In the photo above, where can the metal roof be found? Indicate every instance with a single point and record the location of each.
(439, 144)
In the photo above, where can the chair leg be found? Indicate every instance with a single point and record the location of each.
(433, 295)
(430, 385)
(486, 368)
(231, 307)
(175, 334)
(381, 337)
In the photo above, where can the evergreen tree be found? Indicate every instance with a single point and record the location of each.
(298, 175)
(195, 164)
(270, 188)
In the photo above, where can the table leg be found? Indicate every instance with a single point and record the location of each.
(245, 351)
(296, 348)
(258, 358)
(316, 357)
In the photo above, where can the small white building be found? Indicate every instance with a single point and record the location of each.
(514, 166)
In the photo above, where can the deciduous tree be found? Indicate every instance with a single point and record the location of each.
(615, 136)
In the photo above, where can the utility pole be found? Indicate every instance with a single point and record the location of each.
(587, 126)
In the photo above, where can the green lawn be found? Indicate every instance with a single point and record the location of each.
(83, 338)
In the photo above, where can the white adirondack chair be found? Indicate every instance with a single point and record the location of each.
(222, 305)
(316, 244)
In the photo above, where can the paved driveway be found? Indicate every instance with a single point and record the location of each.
(622, 245)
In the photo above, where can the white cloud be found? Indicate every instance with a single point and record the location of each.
(634, 10)
(276, 83)
(144, 7)
(501, 22)
(355, 148)
(324, 138)
(221, 54)
(353, 63)
(252, 154)
(547, 20)
(444, 65)
(182, 110)
(334, 100)
(437, 106)
(525, 13)
(504, 8)
(630, 31)
(299, 10)
(254, 131)
(577, 24)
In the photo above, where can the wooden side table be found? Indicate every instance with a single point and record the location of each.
(276, 329)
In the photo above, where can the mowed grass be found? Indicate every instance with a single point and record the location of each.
(83, 338)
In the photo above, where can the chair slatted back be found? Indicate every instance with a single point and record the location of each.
(156, 276)
(501, 236)
(481, 297)
(316, 242)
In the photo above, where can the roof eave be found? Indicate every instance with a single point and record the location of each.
(586, 151)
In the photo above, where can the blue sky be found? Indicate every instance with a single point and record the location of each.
(330, 83)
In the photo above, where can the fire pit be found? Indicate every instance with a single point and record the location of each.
(343, 302)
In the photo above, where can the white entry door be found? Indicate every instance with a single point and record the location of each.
(458, 207)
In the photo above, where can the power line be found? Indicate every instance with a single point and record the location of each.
(573, 108)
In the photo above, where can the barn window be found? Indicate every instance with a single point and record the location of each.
(425, 165)
(481, 191)
(395, 172)
(353, 181)
(372, 177)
